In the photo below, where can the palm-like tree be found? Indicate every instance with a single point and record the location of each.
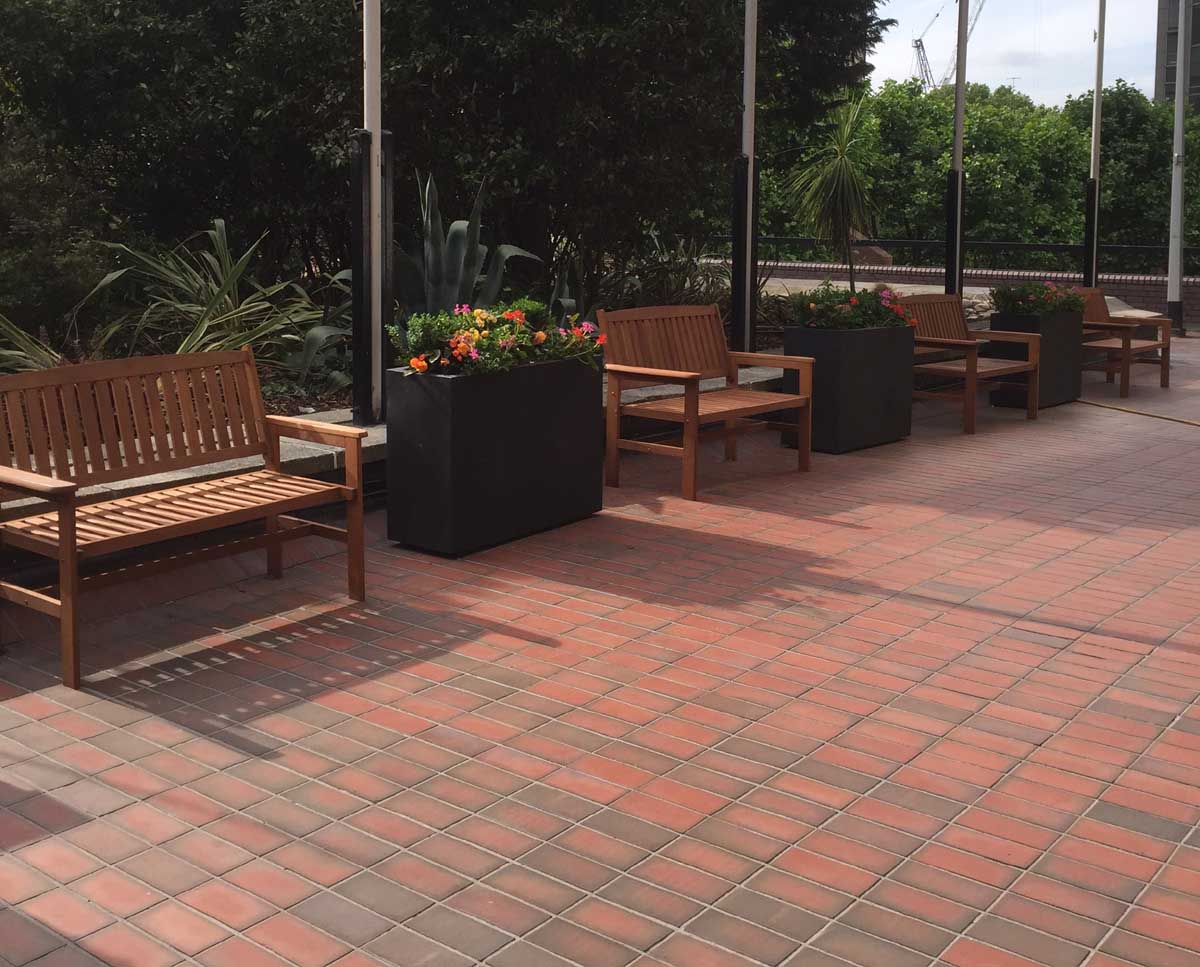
(831, 190)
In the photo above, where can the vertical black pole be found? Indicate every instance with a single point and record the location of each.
(753, 347)
(737, 340)
(1091, 235)
(360, 267)
(387, 297)
(954, 268)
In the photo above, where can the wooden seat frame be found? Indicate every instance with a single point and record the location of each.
(942, 326)
(1117, 338)
(74, 426)
(683, 345)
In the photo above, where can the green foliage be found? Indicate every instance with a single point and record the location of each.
(827, 307)
(447, 271)
(831, 190)
(593, 122)
(1036, 298)
(19, 350)
(202, 298)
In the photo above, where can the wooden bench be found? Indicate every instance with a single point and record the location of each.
(96, 423)
(683, 345)
(1117, 339)
(942, 328)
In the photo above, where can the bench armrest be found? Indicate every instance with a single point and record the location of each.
(767, 359)
(971, 344)
(999, 335)
(655, 375)
(314, 431)
(35, 484)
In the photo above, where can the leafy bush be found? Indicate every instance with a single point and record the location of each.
(1035, 298)
(827, 307)
(476, 341)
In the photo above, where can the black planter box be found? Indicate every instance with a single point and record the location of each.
(862, 384)
(1060, 369)
(476, 461)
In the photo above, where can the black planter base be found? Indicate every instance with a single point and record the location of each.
(1060, 368)
(862, 385)
(477, 461)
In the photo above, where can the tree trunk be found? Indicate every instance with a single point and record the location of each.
(850, 262)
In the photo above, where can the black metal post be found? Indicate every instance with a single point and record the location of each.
(754, 239)
(737, 320)
(954, 232)
(1091, 234)
(360, 268)
(387, 297)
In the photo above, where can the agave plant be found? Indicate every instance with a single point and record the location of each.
(450, 268)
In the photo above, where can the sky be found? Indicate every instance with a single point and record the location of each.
(1045, 44)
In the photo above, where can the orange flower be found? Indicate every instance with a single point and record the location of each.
(577, 332)
(516, 316)
(539, 337)
(418, 363)
(601, 339)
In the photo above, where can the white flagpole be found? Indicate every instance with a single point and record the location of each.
(1092, 230)
(749, 84)
(1175, 261)
(954, 242)
(373, 122)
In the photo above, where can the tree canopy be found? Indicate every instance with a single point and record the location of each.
(592, 120)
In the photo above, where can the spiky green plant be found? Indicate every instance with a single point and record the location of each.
(449, 269)
(202, 298)
(21, 350)
(830, 192)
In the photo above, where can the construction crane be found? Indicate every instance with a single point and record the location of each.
(924, 72)
(979, 5)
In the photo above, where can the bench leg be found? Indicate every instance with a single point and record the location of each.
(691, 439)
(612, 434)
(804, 438)
(1126, 364)
(68, 594)
(1164, 379)
(970, 396)
(1032, 395)
(731, 441)
(356, 551)
(274, 550)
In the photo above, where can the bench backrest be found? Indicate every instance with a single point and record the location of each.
(938, 316)
(1095, 306)
(124, 418)
(686, 338)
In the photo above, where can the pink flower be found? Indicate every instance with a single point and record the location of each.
(587, 327)
(474, 353)
(463, 310)
(562, 331)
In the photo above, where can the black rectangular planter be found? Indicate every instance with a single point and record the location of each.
(476, 461)
(862, 384)
(1060, 368)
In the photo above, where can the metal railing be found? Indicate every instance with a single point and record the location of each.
(1048, 256)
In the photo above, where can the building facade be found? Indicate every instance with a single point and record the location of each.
(1168, 39)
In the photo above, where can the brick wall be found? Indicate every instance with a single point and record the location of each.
(1139, 291)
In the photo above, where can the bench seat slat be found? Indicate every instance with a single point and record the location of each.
(128, 522)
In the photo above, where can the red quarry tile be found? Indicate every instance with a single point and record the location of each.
(180, 928)
(66, 914)
(297, 942)
(117, 892)
(120, 946)
(275, 885)
(229, 905)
